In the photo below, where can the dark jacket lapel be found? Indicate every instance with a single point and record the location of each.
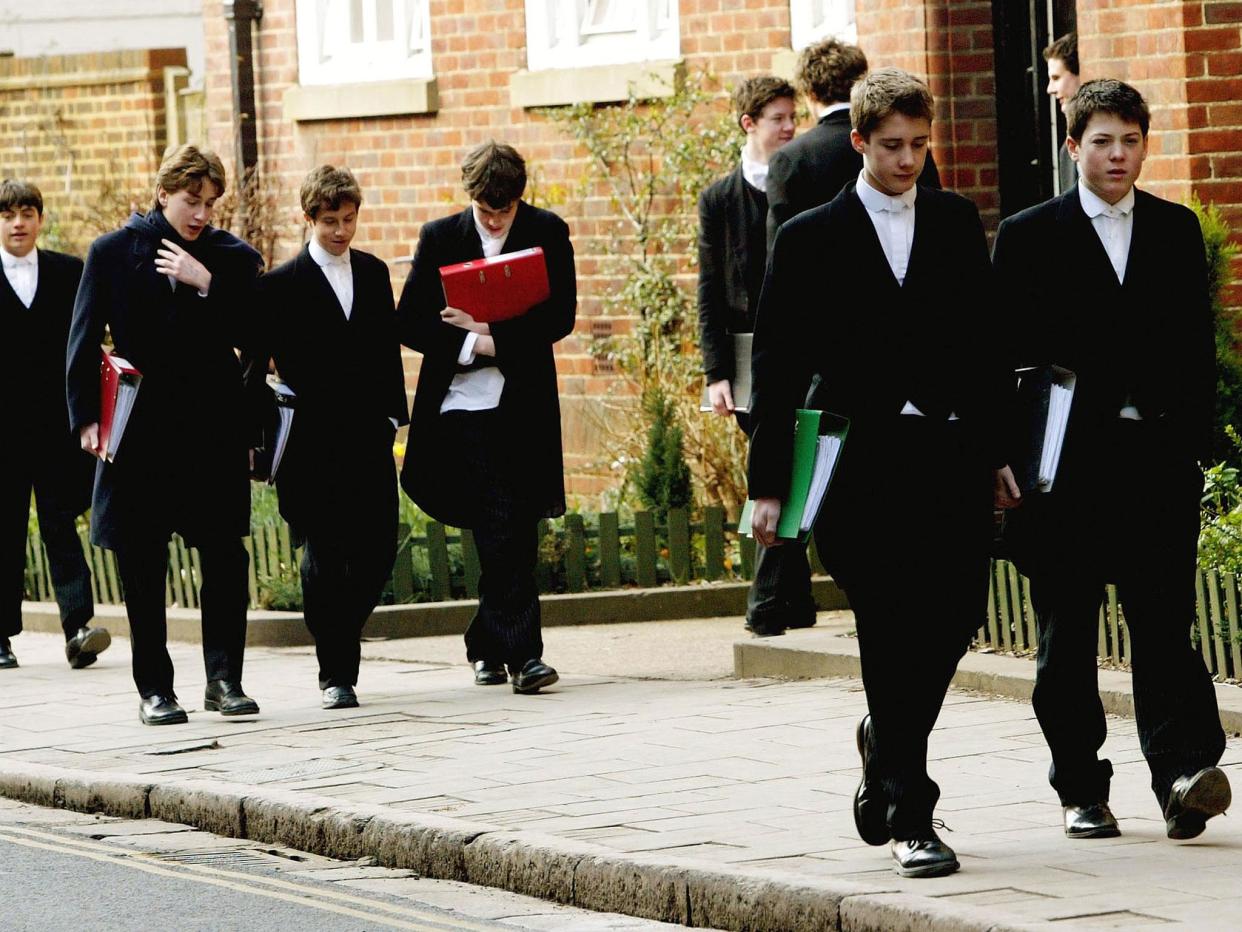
(319, 290)
(1083, 241)
(868, 240)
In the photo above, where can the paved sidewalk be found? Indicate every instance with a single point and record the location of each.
(750, 775)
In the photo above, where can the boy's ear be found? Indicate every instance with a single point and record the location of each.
(1071, 146)
(309, 219)
(858, 142)
(746, 122)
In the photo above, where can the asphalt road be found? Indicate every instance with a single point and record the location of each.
(67, 871)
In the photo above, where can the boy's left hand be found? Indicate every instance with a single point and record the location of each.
(456, 317)
(175, 261)
(1005, 491)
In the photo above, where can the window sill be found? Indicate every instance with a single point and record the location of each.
(554, 87)
(303, 103)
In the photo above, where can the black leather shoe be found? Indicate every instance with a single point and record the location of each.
(802, 623)
(534, 676)
(340, 697)
(84, 648)
(7, 657)
(227, 698)
(161, 710)
(924, 856)
(489, 673)
(761, 629)
(1094, 820)
(870, 800)
(1194, 800)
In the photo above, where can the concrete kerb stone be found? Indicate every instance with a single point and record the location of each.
(906, 912)
(765, 902)
(636, 885)
(29, 783)
(211, 806)
(124, 796)
(430, 845)
(528, 862)
(306, 822)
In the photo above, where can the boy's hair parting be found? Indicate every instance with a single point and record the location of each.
(1105, 95)
(15, 194)
(1066, 49)
(828, 69)
(751, 96)
(884, 92)
(494, 174)
(185, 168)
(327, 188)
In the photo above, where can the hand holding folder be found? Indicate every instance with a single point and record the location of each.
(819, 438)
(499, 288)
(118, 390)
(1044, 397)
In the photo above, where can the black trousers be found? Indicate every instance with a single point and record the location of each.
(143, 568)
(906, 536)
(343, 574)
(506, 627)
(71, 577)
(1145, 542)
(780, 593)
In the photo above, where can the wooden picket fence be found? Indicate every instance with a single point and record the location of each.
(1217, 629)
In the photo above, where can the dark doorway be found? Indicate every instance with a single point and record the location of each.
(1029, 127)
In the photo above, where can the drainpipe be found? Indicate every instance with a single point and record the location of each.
(241, 16)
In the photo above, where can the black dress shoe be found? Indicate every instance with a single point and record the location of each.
(7, 657)
(870, 800)
(489, 673)
(161, 710)
(1094, 820)
(340, 697)
(762, 629)
(83, 648)
(1194, 800)
(924, 856)
(534, 676)
(227, 698)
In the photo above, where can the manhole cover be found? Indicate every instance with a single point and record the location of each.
(239, 857)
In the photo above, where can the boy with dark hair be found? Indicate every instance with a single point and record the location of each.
(732, 257)
(330, 326)
(485, 435)
(819, 163)
(36, 298)
(1129, 312)
(897, 344)
(1063, 83)
(176, 294)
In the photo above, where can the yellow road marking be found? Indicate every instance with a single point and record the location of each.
(245, 883)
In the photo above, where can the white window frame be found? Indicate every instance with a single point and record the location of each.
(812, 20)
(561, 34)
(327, 56)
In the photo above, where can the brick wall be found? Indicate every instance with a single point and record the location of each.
(88, 130)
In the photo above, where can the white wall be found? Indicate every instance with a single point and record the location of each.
(29, 28)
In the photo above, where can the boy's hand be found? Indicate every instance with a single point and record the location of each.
(763, 521)
(485, 346)
(88, 436)
(1005, 491)
(721, 397)
(459, 318)
(175, 261)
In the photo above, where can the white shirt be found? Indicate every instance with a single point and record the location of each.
(478, 389)
(338, 272)
(1113, 223)
(22, 273)
(755, 173)
(893, 219)
(832, 108)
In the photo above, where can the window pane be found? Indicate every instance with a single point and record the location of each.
(383, 20)
(356, 33)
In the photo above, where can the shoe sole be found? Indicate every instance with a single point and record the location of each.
(96, 642)
(536, 685)
(931, 870)
(1095, 833)
(9, 666)
(868, 833)
(1208, 796)
(171, 720)
(491, 681)
(212, 706)
(352, 704)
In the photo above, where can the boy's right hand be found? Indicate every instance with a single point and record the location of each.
(720, 395)
(764, 518)
(1005, 491)
(88, 436)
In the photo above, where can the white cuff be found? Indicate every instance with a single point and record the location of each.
(394, 422)
(466, 356)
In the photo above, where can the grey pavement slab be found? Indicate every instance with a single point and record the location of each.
(752, 776)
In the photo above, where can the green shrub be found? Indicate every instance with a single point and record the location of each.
(1220, 532)
(663, 476)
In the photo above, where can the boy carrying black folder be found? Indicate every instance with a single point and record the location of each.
(485, 435)
(330, 326)
(894, 326)
(1128, 311)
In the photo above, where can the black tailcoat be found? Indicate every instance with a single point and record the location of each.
(38, 335)
(183, 463)
(529, 405)
(812, 169)
(348, 379)
(1148, 341)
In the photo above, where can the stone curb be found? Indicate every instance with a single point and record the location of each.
(428, 619)
(577, 873)
(825, 653)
